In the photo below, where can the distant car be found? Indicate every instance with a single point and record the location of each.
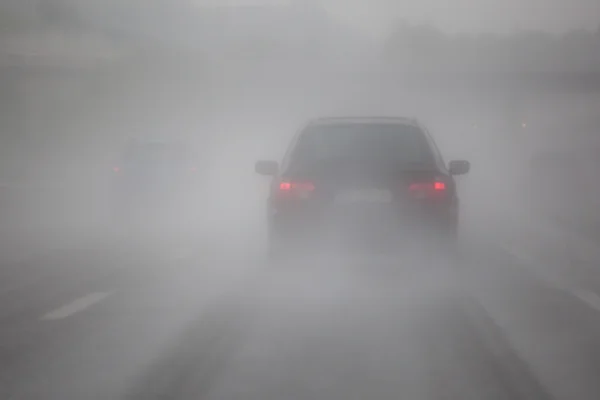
(362, 181)
(154, 178)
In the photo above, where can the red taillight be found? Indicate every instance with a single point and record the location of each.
(302, 186)
(285, 186)
(295, 189)
(428, 189)
(116, 169)
(193, 169)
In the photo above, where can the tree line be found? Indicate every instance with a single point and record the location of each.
(425, 48)
(409, 47)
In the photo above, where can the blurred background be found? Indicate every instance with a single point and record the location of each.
(78, 79)
(90, 311)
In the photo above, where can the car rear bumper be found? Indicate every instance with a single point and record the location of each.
(373, 230)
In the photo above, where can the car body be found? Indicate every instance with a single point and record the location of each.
(154, 178)
(366, 180)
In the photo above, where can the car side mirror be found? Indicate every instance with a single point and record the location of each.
(459, 167)
(266, 167)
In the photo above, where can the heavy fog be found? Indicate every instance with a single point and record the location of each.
(239, 79)
(512, 86)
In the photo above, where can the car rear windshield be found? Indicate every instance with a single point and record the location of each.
(387, 142)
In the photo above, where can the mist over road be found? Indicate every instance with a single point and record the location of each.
(200, 315)
(163, 319)
(188, 308)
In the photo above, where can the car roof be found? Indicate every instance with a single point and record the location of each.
(364, 120)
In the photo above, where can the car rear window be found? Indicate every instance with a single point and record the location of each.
(402, 144)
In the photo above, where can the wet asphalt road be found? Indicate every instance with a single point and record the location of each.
(115, 321)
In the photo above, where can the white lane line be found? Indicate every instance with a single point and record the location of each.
(76, 306)
(590, 298)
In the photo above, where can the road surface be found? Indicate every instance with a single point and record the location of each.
(105, 320)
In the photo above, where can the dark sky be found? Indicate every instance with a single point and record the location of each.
(460, 15)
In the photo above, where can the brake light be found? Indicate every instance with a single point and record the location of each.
(116, 169)
(193, 169)
(302, 186)
(295, 189)
(428, 189)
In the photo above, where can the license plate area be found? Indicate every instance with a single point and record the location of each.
(363, 210)
(363, 196)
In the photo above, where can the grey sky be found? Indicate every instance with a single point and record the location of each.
(460, 15)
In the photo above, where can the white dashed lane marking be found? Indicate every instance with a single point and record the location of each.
(590, 298)
(586, 296)
(76, 306)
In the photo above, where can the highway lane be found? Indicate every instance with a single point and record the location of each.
(168, 322)
(67, 315)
